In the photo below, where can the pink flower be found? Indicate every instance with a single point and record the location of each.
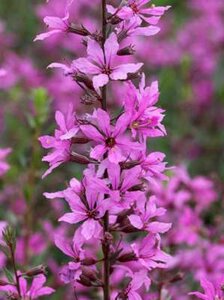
(35, 291)
(136, 8)
(149, 254)
(211, 291)
(138, 279)
(145, 118)
(131, 27)
(103, 66)
(154, 166)
(62, 140)
(4, 166)
(144, 216)
(70, 273)
(87, 210)
(120, 186)
(56, 24)
(110, 139)
(73, 249)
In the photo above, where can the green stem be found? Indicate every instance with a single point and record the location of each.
(15, 271)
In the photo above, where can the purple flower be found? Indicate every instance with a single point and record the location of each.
(211, 291)
(4, 166)
(73, 249)
(70, 273)
(56, 24)
(138, 279)
(119, 186)
(136, 8)
(154, 166)
(145, 117)
(87, 210)
(110, 139)
(149, 254)
(35, 291)
(131, 27)
(62, 140)
(144, 216)
(102, 65)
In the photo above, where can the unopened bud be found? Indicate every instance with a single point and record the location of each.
(89, 273)
(127, 257)
(80, 140)
(88, 261)
(138, 187)
(122, 217)
(41, 269)
(89, 98)
(114, 20)
(85, 281)
(130, 164)
(132, 76)
(129, 50)
(3, 282)
(82, 78)
(177, 277)
(80, 159)
(9, 237)
(78, 29)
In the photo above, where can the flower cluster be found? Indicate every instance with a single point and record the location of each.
(114, 198)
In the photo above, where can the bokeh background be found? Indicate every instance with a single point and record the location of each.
(187, 57)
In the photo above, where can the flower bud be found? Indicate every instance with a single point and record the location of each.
(9, 237)
(129, 50)
(127, 257)
(80, 159)
(80, 140)
(88, 261)
(82, 78)
(179, 276)
(130, 164)
(78, 29)
(41, 269)
(3, 282)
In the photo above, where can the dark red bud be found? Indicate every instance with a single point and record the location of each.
(78, 29)
(82, 78)
(129, 50)
(88, 261)
(114, 20)
(3, 282)
(130, 164)
(177, 277)
(127, 257)
(80, 140)
(36, 271)
(80, 159)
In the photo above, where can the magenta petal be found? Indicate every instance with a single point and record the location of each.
(135, 221)
(88, 229)
(158, 227)
(111, 47)
(92, 133)
(99, 81)
(73, 218)
(43, 36)
(85, 66)
(98, 152)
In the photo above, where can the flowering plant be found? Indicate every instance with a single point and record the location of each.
(114, 198)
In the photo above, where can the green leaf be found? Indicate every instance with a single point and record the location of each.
(9, 275)
(5, 250)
